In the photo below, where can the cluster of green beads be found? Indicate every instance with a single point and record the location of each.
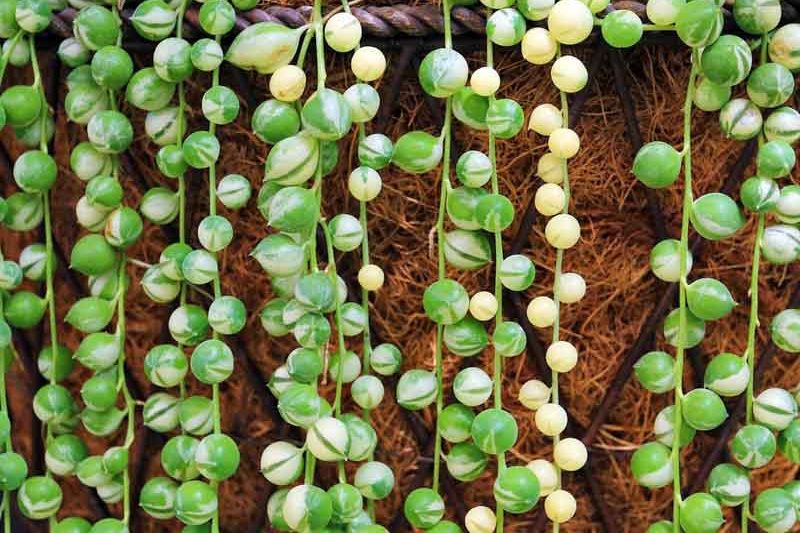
(201, 448)
(25, 110)
(101, 69)
(311, 303)
(720, 62)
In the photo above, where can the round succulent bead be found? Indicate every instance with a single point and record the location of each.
(282, 463)
(220, 104)
(39, 497)
(110, 132)
(710, 96)
(785, 330)
(154, 20)
(517, 272)
(775, 408)
(188, 324)
(53, 404)
(727, 374)
(328, 439)
(516, 489)
(703, 409)
(346, 232)
(757, 16)
(300, 405)
(656, 371)
(346, 502)
(215, 233)
(709, 299)
(466, 338)
(473, 169)
(774, 510)
(789, 441)
(363, 438)
(217, 457)
(364, 184)
(201, 149)
(227, 315)
(293, 209)
(375, 151)
(480, 519)
(783, 124)
(196, 416)
(494, 212)
(195, 502)
(423, 508)
(569, 74)
(275, 510)
(770, 85)
(716, 216)
(160, 412)
(386, 359)
(740, 119)
(416, 389)
(467, 250)
(455, 422)
(367, 392)
(178, 457)
(466, 462)
(348, 364)
(700, 24)
(657, 164)
(727, 61)
(445, 301)
(784, 44)
(760, 194)
(91, 472)
(570, 22)
(99, 392)
(13, 470)
(304, 364)
(24, 309)
(443, 72)
(664, 428)
(35, 171)
(24, 211)
(307, 508)
(472, 386)
(279, 255)
(695, 330)
(701, 513)
(343, 32)
(22, 105)
(779, 244)
(651, 465)
(374, 480)
(212, 362)
(234, 191)
(622, 29)
(326, 115)
(157, 497)
(470, 108)
(363, 100)
(461, 207)
(494, 431)
(147, 91)
(509, 339)
(293, 160)
(111, 67)
(730, 484)
(753, 446)
(534, 394)
(159, 205)
(274, 121)
(58, 369)
(217, 17)
(95, 27)
(165, 365)
(417, 152)
(775, 159)
(505, 27)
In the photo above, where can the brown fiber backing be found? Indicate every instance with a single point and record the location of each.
(617, 235)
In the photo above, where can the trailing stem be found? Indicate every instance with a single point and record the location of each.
(753, 323)
(556, 279)
(682, 309)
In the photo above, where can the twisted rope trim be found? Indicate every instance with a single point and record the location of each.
(384, 22)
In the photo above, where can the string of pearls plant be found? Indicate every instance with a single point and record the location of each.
(719, 63)
(101, 69)
(185, 457)
(568, 22)
(304, 148)
(26, 110)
